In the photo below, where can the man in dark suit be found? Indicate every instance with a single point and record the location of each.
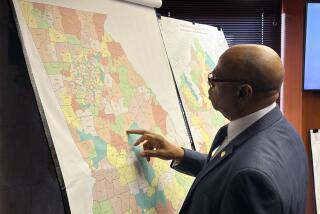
(257, 163)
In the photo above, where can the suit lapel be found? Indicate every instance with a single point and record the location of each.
(263, 123)
(220, 136)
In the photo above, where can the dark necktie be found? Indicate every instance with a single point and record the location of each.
(220, 136)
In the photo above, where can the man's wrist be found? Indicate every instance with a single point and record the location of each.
(180, 155)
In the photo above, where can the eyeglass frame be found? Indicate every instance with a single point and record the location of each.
(212, 78)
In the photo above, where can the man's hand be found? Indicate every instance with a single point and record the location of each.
(155, 145)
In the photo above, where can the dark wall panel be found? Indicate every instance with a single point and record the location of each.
(243, 21)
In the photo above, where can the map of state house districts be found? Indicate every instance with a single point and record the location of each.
(101, 96)
(194, 50)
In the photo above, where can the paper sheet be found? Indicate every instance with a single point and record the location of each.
(98, 72)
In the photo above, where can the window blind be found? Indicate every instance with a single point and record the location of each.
(243, 21)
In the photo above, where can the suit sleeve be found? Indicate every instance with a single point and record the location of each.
(251, 191)
(191, 164)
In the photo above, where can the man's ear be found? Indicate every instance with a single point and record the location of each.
(245, 92)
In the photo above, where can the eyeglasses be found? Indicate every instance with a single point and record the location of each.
(212, 78)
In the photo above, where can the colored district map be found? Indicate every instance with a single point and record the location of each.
(193, 86)
(101, 96)
(193, 50)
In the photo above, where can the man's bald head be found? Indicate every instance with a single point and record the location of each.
(246, 79)
(256, 64)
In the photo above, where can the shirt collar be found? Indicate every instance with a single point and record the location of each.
(237, 126)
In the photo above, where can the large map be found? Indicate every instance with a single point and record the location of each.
(194, 50)
(101, 95)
